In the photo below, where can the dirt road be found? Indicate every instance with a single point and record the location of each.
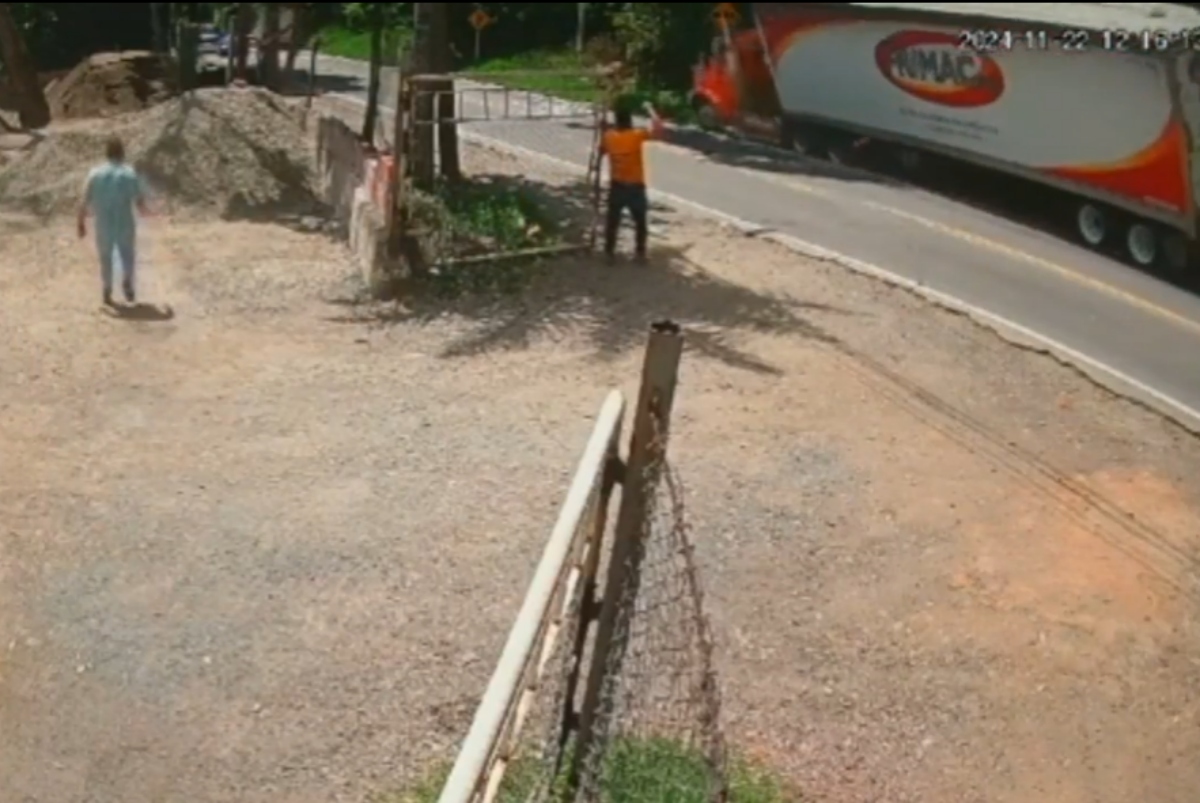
(267, 550)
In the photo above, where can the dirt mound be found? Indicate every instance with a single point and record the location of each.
(108, 84)
(231, 153)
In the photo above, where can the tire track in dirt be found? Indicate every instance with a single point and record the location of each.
(1085, 506)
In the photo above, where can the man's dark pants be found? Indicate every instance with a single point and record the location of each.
(623, 196)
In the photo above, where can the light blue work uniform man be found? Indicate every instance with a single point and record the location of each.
(112, 193)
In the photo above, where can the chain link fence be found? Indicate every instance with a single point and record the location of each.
(658, 735)
(608, 697)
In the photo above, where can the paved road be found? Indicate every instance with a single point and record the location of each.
(1137, 326)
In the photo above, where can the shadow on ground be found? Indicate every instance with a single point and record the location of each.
(142, 312)
(758, 156)
(300, 80)
(610, 305)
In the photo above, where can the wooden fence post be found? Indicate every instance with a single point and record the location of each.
(643, 467)
(398, 206)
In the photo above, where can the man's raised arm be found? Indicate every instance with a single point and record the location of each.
(657, 129)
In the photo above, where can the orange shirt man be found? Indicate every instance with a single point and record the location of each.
(623, 145)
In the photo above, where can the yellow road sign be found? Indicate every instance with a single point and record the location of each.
(480, 19)
(725, 15)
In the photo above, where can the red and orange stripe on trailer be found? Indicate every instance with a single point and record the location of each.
(1158, 173)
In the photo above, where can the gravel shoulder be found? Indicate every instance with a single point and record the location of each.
(268, 550)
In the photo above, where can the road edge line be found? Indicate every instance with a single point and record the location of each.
(1098, 373)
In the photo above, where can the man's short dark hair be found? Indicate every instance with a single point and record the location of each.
(623, 117)
(114, 149)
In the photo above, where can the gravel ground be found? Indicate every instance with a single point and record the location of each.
(267, 550)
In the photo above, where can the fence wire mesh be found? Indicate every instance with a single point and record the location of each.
(657, 733)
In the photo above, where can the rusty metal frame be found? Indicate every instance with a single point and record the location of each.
(568, 109)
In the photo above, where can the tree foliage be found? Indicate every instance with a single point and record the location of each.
(661, 39)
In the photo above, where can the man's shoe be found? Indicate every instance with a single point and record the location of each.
(108, 299)
(130, 296)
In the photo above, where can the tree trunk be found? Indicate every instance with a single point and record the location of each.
(22, 73)
(443, 62)
(298, 36)
(243, 27)
(371, 120)
(158, 30)
(423, 167)
(268, 48)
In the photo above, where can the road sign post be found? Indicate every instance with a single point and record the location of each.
(479, 20)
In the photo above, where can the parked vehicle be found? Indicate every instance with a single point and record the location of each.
(1100, 101)
(209, 38)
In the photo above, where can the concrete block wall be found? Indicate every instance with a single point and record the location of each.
(354, 182)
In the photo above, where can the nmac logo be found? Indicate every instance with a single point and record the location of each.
(933, 67)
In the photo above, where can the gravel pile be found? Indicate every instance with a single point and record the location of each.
(108, 84)
(230, 153)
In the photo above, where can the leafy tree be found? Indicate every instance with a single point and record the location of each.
(662, 40)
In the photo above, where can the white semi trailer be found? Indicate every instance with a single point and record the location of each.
(1100, 101)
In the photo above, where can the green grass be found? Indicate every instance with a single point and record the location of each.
(562, 74)
(474, 219)
(637, 771)
(559, 73)
(349, 43)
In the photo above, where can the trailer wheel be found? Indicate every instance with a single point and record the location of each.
(1092, 223)
(1142, 244)
(706, 114)
(841, 152)
(802, 140)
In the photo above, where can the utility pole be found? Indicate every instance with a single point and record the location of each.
(580, 26)
(268, 48)
(158, 30)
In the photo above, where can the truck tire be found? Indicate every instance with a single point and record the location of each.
(706, 115)
(803, 140)
(1143, 244)
(1093, 223)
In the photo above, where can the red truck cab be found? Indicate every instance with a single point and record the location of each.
(733, 87)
